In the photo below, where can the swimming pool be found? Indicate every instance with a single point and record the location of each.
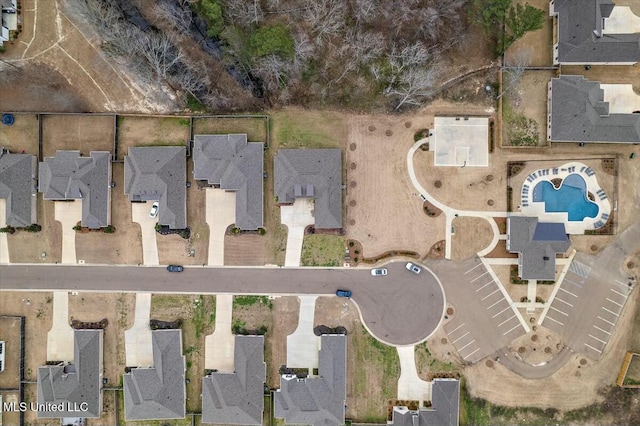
(571, 197)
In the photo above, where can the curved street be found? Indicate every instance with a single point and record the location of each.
(400, 309)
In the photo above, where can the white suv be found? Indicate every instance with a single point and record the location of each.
(413, 268)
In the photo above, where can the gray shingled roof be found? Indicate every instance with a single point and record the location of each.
(237, 398)
(159, 173)
(444, 411)
(317, 400)
(158, 392)
(577, 42)
(579, 114)
(75, 383)
(233, 164)
(69, 176)
(17, 187)
(536, 244)
(311, 173)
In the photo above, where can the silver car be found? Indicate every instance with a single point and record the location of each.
(413, 268)
(379, 272)
(154, 210)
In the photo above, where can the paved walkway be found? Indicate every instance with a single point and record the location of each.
(303, 344)
(68, 214)
(4, 246)
(140, 215)
(410, 385)
(220, 346)
(451, 213)
(297, 217)
(137, 339)
(220, 213)
(60, 337)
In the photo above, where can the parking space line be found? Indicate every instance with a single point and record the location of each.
(501, 312)
(478, 277)
(610, 311)
(554, 320)
(557, 298)
(604, 331)
(490, 294)
(517, 325)
(496, 303)
(484, 286)
(574, 283)
(623, 295)
(605, 320)
(505, 321)
(478, 265)
(594, 337)
(612, 301)
(456, 329)
(463, 348)
(567, 291)
(566, 315)
(599, 351)
(464, 335)
(465, 357)
(619, 282)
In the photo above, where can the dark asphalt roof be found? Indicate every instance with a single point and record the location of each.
(317, 400)
(578, 23)
(232, 163)
(17, 187)
(158, 392)
(69, 176)
(444, 411)
(237, 398)
(311, 173)
(75, 383)
(536, 244)
(579, 114)
(159, 173)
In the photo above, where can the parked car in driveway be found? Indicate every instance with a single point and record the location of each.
(343, 293)
(413, 268)
(379, 272)
(154, 210)
(175, 268)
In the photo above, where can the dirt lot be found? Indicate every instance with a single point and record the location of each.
(255, 128)
(472, 235)
(285, 321)
(10, 334)
(538, 44)
(245, 250)
(74, 132)
(150, 131)
(22, 135)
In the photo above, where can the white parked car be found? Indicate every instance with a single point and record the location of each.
(379, 272)
(154, 210)
(413, 268)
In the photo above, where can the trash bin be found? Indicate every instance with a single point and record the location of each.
(8, 119)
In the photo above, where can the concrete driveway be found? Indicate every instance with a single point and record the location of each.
(303, 344)
(296, 217)
(4, 246)
(621, 97)
(60, 337)
(220, 345)
(68, 213)
(220, 213)
(410, 386)
(137, 339)
(140, 215)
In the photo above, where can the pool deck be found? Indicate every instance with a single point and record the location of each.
(528, 207)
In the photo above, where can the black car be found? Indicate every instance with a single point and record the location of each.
(175, 268)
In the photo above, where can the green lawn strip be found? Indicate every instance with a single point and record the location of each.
(294, 133)
(251, 300)
(322, 250)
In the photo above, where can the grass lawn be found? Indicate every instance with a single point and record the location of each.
(255, 128)
(322, 250)
(427, 363)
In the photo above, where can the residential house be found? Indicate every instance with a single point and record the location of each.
(158, 392)
(579, 113)
(444, 410)
(537, 244)
(315, 174)
(75, 387)
(69, 176)
(159, 173)
(316, 400)
(17, 187)
(237, 398)
(589, 32)
(231, 163)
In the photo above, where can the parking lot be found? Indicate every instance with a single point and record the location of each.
(485, 320)
(588, 303)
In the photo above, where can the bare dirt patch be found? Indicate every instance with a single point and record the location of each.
(151, 131)
(38, 247)
(22, 135)
(285, 321)
(537, 346)
(245, 250)
(472, 234)
(85, 133)
(538, 44)
(10, 329)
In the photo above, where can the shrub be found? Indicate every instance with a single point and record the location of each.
(34, 227)
(77, 228)
(8, 229)
(272, 40)
(211, 11)
(110, 229)
(262, 231)
(351, 243)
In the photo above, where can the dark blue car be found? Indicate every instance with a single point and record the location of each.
(175, 268)
(343, 293)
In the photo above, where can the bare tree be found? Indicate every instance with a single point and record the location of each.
(514, 68)
(415, 84)
(365, 10)
(177, 12)
(327, 18)
(244, 12)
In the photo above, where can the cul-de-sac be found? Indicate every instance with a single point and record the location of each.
(328, 212)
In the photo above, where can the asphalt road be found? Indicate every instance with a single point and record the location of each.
(401, 308)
